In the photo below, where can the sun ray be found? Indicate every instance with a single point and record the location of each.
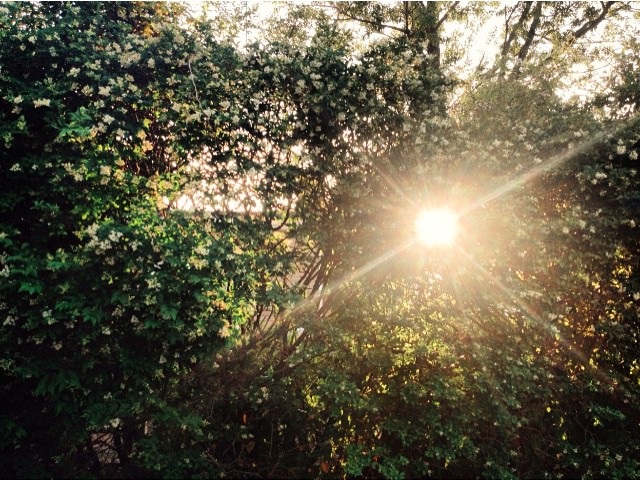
(394, 186)
(572, 350)
(316, 299)
(361, 271)
(533, 173)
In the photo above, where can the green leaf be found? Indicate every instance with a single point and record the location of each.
(30, 287)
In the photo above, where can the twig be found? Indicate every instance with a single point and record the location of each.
(192, 77)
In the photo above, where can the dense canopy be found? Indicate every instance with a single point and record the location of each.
(216, 240)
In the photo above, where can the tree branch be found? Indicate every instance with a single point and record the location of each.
(406, 17)
(446, 14)
(524, 50)
(514, 31)
(593, 23)
(363, 20)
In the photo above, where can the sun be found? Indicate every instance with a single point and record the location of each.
(436, 227)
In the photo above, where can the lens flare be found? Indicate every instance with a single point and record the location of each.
(436, 227)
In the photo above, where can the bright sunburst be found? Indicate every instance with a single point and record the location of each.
(436, 227)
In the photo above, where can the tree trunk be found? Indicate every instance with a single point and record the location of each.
(426, 29)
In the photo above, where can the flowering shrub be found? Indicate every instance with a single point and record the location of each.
(105, 301)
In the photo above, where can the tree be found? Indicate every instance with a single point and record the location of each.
(505, 152)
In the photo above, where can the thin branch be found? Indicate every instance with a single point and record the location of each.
(286, 217)
(363, 20)
(192, 77)
(377, 24)
(446, 14)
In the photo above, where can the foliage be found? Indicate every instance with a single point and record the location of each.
(97, 331)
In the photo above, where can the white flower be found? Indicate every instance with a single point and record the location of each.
(225, 105)
(235, 119)
(620, 149)
(105, 170)
(41, 102)
(201, 250)
(194, 117)
(129, 58)
(565, 230)
(633, 155)
(114, 236)
(582, 223)
(601, 175)
(115, 422)
(151, 63)
(342, 117)
(104, 91)
(17, 99)
(92, 230)
(225, 331)
(153, 283)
